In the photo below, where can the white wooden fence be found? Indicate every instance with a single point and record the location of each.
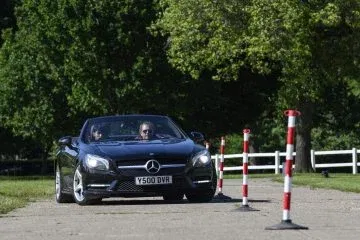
(354, 163)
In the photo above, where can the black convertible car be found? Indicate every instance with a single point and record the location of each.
(133, 156)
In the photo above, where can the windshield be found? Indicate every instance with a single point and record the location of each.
(131, 128)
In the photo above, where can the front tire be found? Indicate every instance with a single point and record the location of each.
(60, 196)
(78, 189)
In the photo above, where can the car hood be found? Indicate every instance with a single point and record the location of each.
(144, 149)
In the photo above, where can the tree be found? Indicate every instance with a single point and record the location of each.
(32, 96)
(311, 45)
(71, 59)
(7, 18)
(315, 46)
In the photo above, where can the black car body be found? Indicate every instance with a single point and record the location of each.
(122, 165)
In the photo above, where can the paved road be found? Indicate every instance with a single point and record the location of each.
(328, 214)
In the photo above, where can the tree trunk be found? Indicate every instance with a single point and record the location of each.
(303, 137)
(253, 148)
(44, 161)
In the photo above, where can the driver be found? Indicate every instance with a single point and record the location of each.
(146, 131)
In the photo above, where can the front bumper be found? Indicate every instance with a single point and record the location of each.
(113, 184)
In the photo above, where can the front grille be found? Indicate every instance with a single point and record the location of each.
(129, 187)
(136, 167)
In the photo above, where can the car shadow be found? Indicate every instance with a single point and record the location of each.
(161, 202)
(140, 202)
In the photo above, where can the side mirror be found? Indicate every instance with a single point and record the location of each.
(65, 141)
(197, 137)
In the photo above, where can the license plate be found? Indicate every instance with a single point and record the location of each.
(153, 180)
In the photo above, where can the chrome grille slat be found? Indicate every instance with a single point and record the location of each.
(144, 166)
(142, 172)
(142, 162)
(172, 165)
(132, 167)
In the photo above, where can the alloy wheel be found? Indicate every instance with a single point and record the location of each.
(78, 186)
(57, 183)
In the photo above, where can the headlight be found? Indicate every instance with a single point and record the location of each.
(201, 159)
(96, 162)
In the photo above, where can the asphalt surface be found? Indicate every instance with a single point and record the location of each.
(328, 214)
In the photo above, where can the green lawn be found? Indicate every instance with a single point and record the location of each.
(338, 181)
(16, 192)
(342, 182)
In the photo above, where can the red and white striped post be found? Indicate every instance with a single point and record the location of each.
(289, 163)
(221, 171)
(245, 167)
(220, 194)
(286, 222)
(245, 205)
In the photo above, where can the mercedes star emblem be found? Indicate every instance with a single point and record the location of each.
(152, 166)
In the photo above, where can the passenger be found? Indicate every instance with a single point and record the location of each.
(96, 133)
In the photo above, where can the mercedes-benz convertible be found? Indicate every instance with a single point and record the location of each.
(133, 156)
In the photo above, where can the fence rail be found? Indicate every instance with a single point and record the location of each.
(277, 154)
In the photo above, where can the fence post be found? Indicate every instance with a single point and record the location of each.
(277, 162)
(312, 157)
(354, 160)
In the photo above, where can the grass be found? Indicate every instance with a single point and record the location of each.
(342, 182)
(17, 192)
(338, 181)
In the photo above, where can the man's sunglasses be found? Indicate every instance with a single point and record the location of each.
(147, 131)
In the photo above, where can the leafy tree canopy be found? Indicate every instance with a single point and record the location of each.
(310, 42)
(74, 58)
(313, 45)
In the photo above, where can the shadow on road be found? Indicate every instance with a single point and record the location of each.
(160, 201)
